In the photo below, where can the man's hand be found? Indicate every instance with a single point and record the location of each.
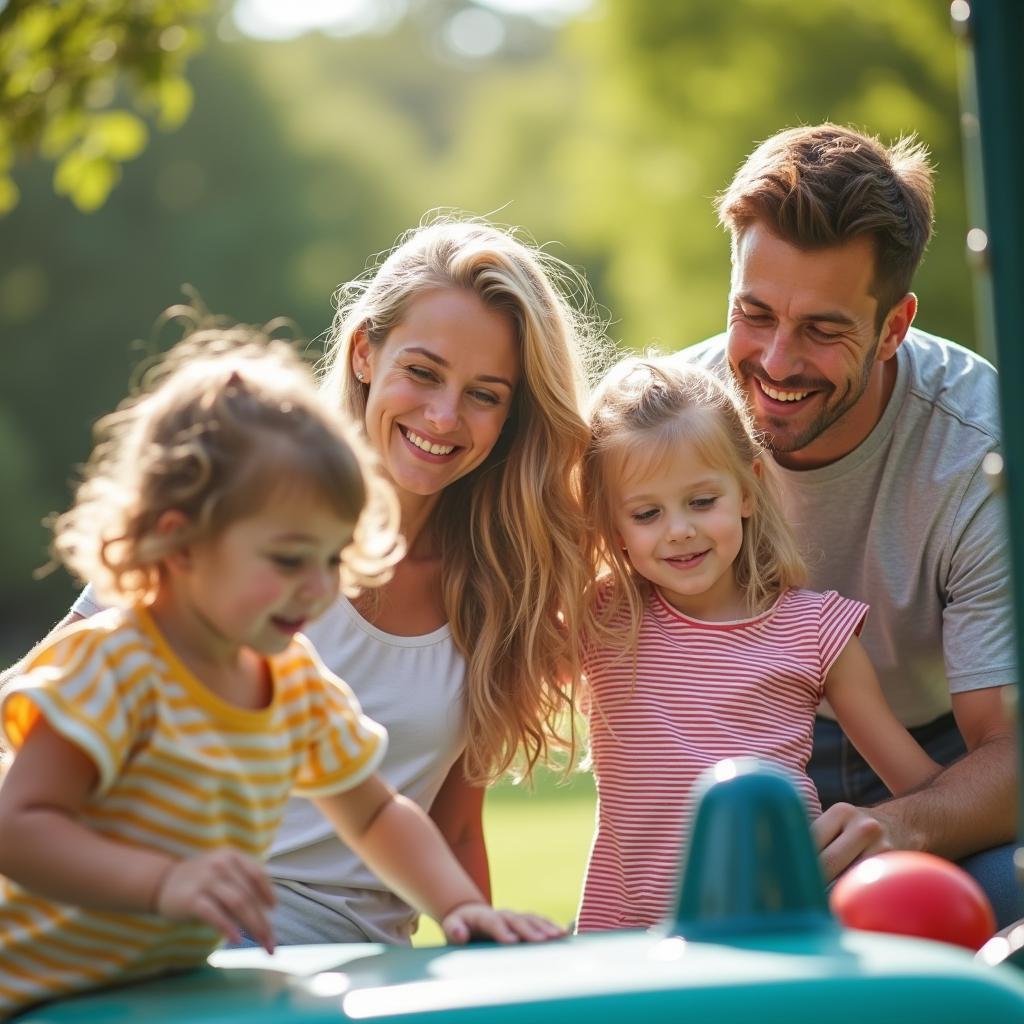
(224, 888)
(480, 920)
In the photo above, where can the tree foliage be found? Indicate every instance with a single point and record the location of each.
(606, 139)
(66, 68)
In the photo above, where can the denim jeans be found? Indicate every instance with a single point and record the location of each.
(842, 775)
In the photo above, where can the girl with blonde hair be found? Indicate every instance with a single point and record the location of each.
(157, 742)
(700, 642)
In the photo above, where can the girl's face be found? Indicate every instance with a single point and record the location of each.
(680, 521)
(263, 578)
(440, 389)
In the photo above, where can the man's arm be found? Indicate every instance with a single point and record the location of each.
(969, 806)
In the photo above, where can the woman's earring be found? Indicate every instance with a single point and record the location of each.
(360, 377)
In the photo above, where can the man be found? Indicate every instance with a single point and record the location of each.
(881, 433)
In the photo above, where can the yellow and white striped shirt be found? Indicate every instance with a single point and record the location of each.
(180, 770)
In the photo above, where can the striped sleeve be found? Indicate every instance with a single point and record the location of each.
(841, 618)
(84, 684)
(344, 745)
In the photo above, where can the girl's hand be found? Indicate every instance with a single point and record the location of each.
(478, 920)
(224, 888)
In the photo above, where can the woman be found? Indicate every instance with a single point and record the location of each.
(467, 365)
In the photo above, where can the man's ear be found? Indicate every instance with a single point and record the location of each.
(896, 325)
(359, 355)
(170, 522)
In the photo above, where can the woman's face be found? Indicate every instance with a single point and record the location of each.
(440, 388)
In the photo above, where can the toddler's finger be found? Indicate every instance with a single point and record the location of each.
(456, 931)
(254, 921)
(259, 881)
(209, 910)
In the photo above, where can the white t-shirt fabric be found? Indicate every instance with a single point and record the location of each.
(415, 687)
(908, 522)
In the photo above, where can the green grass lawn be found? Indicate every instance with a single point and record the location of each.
(537, 842)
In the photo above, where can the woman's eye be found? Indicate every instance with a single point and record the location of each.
(487, 397)
(420, 372)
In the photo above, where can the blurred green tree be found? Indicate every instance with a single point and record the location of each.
(63, 67)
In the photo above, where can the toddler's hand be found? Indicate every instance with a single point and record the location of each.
(472, 920)
(224, 888)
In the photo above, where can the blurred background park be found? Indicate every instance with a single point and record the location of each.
(264, 151)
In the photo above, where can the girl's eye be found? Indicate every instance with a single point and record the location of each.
(699, 503)
(646, 516)
(289, 563)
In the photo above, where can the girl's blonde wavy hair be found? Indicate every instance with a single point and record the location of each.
(509, 533)
(640, 410)
(226, 420)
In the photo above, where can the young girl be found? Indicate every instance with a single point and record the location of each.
(158, 741)
(700, 644)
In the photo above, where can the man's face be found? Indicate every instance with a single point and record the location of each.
(803, 344)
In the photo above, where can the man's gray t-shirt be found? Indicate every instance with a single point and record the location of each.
(908, 522)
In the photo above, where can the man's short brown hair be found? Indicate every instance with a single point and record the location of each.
(824, 185)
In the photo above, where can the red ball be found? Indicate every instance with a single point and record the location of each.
(911, 893)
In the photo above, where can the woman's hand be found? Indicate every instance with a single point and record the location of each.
(480, 920)
(225, 888)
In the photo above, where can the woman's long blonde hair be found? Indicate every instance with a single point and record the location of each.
(640, 409)
(509, 533)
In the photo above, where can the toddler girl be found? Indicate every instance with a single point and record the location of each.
(700, 643)
(158, 741)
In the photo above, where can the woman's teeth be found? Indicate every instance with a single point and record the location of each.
(425, 445)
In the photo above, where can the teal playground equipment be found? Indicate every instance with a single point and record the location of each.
(751, 936)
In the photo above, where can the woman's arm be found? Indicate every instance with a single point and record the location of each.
(457, 811)
(399, 843)
(47, 850)
(853, 690)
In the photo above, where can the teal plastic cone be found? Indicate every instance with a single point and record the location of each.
(751, 865)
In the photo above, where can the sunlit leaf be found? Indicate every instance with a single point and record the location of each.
(34, 27)
(97, 178)
(19, 81)
(60, 132)
(8, 194)
(174, 99)
(119, 134)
